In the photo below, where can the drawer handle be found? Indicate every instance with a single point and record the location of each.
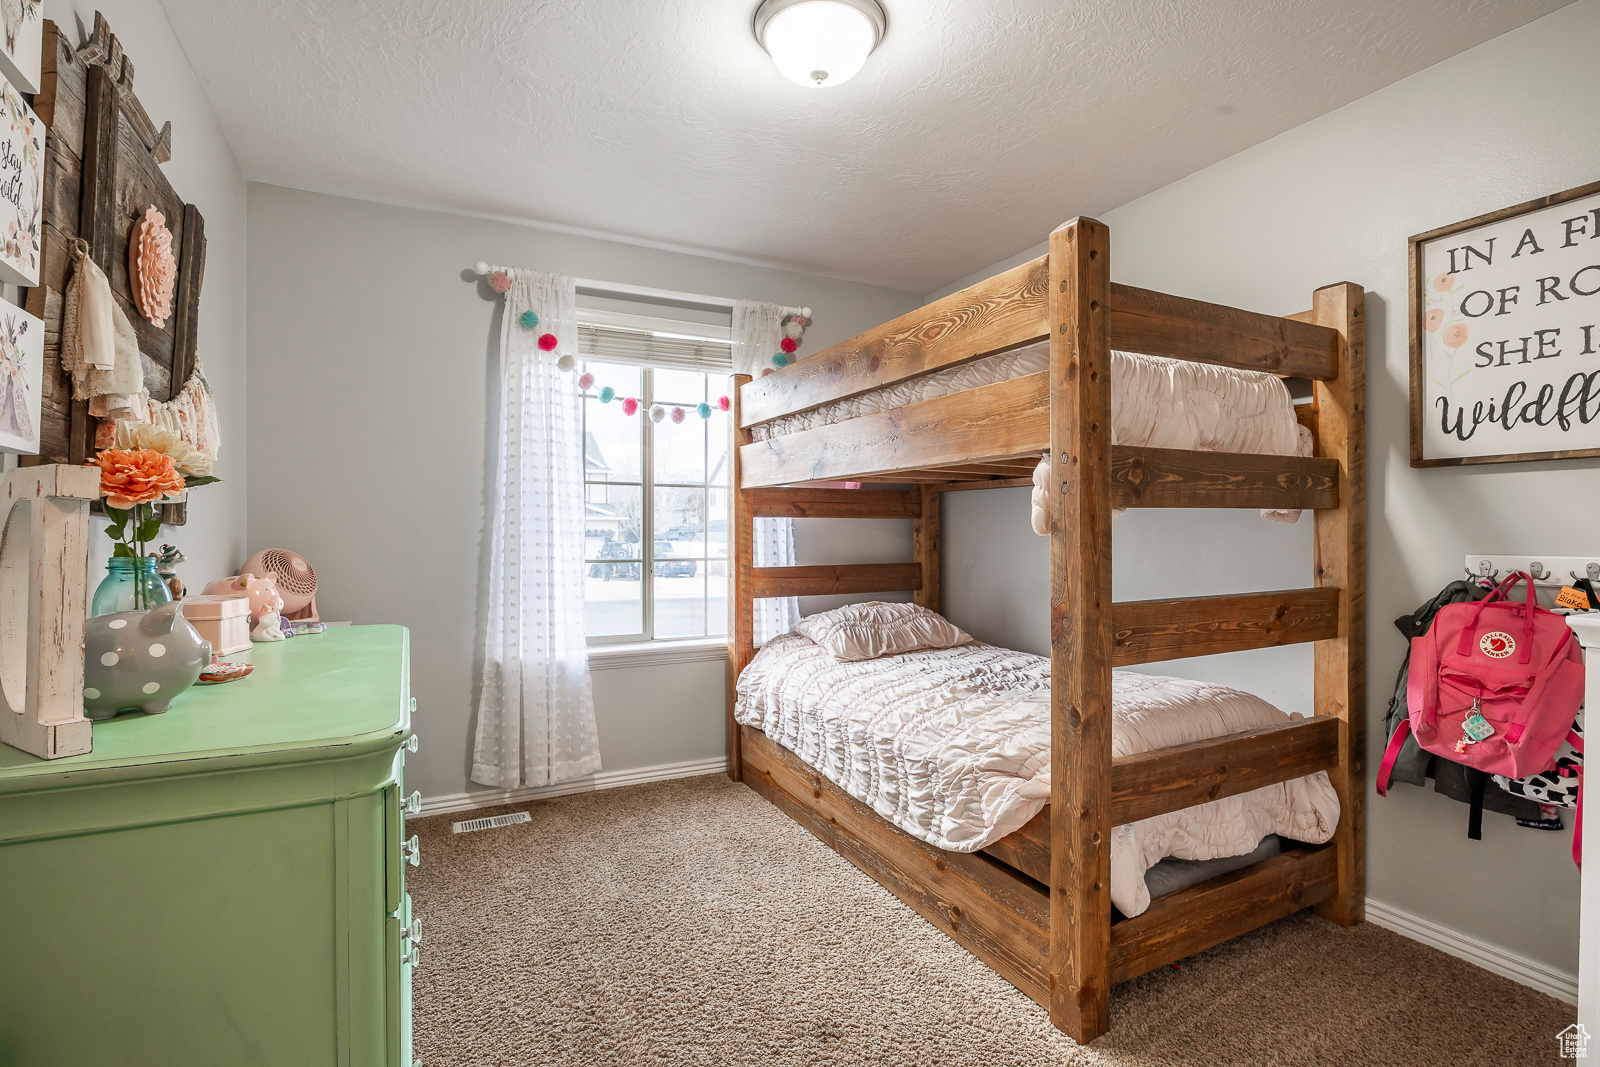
(413, 851)
(411, 954)
(414, 931)
(413, 704)
(411, 743)
(414, 803)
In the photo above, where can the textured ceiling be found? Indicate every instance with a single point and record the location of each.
(975, 128)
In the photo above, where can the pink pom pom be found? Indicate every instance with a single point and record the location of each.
(547, 342)
(677, 415)
(630, 406)
(788, 344)
(722, 403)
(767, 370)
(500, 281)
(585, 381)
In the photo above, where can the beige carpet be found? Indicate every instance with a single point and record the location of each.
(690, 922)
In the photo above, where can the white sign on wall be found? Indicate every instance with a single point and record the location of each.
(21, 42)
(1505, 334)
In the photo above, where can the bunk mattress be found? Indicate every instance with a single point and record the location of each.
(1156, 402)
(953, 747)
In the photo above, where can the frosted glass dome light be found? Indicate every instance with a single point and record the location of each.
(819, 43)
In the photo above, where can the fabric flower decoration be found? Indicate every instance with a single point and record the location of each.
(780, 359)
(677, 416)
(703, 410)
(137, 476)
(723, 404)
(585, 381)
(500, 281)
(528, 320)
(789, 344)
(630, 406)
(657, 413)
(547, 342)
(566, 363)
(189, 460)
(152, 268)
(607, 394)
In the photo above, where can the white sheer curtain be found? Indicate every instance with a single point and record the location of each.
(757, 332)
(535, 709)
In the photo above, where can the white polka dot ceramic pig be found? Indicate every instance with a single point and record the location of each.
(140, 660)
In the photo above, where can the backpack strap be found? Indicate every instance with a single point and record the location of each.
(1478, 781)
(1390, 754)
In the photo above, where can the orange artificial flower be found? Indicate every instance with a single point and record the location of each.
(1456, 335)
(137, 476)
(1433, 319)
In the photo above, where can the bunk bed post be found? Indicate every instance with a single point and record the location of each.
(741, 550)
(1341, 538)
(1080, 629)
(925, 546)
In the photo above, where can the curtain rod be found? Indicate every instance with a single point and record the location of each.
(623, 289)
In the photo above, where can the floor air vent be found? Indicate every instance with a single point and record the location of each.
(491, 822)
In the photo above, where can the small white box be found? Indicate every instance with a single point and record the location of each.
(222, 619)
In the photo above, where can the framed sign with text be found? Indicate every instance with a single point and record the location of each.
(1505, 334)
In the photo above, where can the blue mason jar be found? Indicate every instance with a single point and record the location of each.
(131, 585)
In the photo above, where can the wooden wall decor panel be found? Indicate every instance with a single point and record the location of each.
(102, 170)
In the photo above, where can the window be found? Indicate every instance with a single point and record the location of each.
(656, 505)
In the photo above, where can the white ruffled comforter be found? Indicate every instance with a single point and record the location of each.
(953, 747)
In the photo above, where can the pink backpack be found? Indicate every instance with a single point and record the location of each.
(1493, 685)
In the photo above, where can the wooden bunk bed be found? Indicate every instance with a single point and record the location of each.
(1035, 905)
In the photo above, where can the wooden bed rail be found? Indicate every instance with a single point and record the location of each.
(1144, 631)
(807, 503)
(835, 580)
(1009, 311)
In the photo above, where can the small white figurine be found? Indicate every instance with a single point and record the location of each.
(267, 628)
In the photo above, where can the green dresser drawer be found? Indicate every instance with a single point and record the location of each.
(222, 884)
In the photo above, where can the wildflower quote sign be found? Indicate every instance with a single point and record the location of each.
(1505, 334)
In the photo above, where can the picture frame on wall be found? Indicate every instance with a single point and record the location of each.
(21, 188)
(1505, 334)
(21, 42)
(21, 379)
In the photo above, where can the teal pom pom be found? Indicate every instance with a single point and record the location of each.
(780, 359)
(703, 410)
(607, 394)
(528, 320)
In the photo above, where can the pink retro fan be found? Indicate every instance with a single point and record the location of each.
(296, 581)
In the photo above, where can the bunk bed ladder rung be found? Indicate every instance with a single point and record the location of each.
(835, 580)
(1145, 631)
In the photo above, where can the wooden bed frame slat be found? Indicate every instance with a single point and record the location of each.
(997, 915)
(832, 580)
(1009, 311)
(1195, 919)
(1174, 478)
(834, 503)
(1149, 630)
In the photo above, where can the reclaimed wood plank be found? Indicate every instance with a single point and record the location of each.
(1145, 631)
(804, 503)
(1176, 478)
(835, 579)
(1160, 324)
(1340, 683)
(1171, 779)
(1080, 628)
(1195, 919)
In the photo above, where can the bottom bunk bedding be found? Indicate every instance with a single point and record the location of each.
(953, 747)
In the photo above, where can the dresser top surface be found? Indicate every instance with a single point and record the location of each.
(315, 696)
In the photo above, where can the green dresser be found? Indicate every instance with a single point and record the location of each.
(223, 884)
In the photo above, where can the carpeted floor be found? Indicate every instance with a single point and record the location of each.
(690, 922)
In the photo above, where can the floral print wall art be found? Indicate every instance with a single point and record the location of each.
(21, 377)
(1505, 334)
(21, 187)
(21, 38)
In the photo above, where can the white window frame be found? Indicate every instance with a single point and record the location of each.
(626, 649)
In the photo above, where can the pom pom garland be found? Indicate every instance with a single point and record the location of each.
(528, 319)
(566, 362)
(500, 281)
(780, 359)
(547, 342)
(722, 403)
(767, 370)
(585, 382)
(677, 416)
(607, 394)
(657, 412)
(788, 344)
(630, 406)
(703, 410)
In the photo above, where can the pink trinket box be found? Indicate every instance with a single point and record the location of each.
(223, 619)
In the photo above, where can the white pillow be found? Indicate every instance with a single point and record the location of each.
(867, 631)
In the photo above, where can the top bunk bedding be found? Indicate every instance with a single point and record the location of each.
(1156, 402)
(953, 747)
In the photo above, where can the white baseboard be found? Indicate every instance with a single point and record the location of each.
(488, 798)
(1563, 985)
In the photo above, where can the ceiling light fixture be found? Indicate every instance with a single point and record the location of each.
(819, 43)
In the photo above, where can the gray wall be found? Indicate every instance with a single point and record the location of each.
(203, 172)
(368, 412)
(1332, 200)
